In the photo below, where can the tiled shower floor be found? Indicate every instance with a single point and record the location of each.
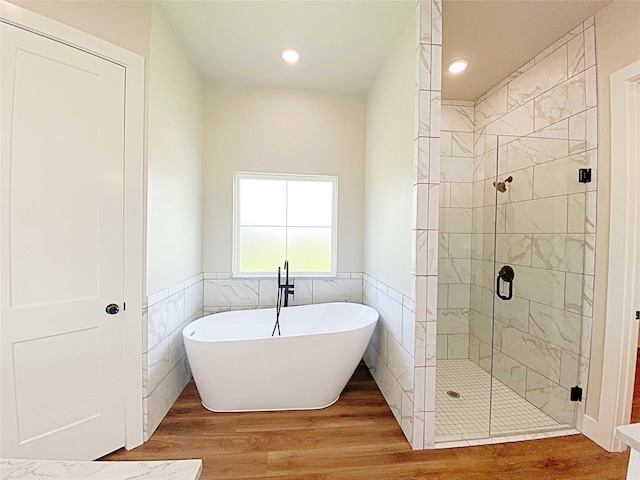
(467, 417)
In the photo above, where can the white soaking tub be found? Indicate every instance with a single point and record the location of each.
(238, 366)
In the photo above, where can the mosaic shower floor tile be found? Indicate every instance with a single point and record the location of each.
(463, 395)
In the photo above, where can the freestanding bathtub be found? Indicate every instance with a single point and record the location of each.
(238, 366)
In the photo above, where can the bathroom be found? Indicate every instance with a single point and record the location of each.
(426, 276)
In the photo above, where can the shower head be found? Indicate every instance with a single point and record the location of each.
(502, 186)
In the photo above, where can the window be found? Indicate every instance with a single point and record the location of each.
(278, 217)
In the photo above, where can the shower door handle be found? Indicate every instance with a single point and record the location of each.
(506, 274)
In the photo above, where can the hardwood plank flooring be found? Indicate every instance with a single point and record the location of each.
(356, 438)
(635, 408)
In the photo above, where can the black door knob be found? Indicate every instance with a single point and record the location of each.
(112, 309)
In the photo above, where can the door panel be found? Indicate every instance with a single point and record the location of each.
(54, 235)
(45, 389)
(537, 332)
(62, 249)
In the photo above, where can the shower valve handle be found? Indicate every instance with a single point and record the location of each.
(506, 274)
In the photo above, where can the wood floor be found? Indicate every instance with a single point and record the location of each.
(356, 438)
(635, 409)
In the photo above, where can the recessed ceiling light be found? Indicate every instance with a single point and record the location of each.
(458, 66)
(290, 55)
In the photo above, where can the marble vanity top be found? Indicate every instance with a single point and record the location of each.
(629, 434)
(72, 470)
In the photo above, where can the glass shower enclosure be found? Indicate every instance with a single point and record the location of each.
(530, 249)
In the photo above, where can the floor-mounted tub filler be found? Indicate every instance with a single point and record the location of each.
(238, 366)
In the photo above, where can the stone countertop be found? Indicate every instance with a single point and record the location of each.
(629, 434)
(72, 470)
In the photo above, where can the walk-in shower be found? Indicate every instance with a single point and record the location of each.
(515, 276)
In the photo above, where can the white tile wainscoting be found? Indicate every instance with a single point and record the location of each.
(165, 367)
(165, 314)
(390, 354)
(223, 292)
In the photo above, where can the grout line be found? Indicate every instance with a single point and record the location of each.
(458, 421)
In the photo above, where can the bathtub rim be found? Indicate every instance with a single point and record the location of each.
(272, 338)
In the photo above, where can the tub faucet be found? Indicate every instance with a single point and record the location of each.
(285, 288)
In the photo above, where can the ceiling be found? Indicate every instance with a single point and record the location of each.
(344, 43)
(498, 37)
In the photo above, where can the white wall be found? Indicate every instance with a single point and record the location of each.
(174, 195)
(281, 131)
(389, 223)
(174, 127)
(617, 45)
(125, 24)
(174, 211)
(389, 167)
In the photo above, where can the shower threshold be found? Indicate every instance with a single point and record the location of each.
(466, 418)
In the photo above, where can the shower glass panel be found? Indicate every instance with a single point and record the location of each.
(528, 264)
(542, 249)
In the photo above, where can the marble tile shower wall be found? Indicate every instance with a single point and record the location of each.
(426, 193)
(222, 292)
(454, 252)
(545, 114)
(165, 368)
(402, 353)
(390, 354)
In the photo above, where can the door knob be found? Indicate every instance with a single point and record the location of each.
(112, 309)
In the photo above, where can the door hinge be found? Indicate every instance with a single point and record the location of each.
(584, 175)
(637, 314)
(576, 394)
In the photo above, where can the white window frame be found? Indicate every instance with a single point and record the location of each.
(237, 176)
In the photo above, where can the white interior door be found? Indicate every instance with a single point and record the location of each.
(62, 129)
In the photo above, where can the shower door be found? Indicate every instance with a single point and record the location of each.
(536, 228)
(515, 281)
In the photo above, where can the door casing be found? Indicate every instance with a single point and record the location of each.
(623, 284)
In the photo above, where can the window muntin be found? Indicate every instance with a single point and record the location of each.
(280, 217)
